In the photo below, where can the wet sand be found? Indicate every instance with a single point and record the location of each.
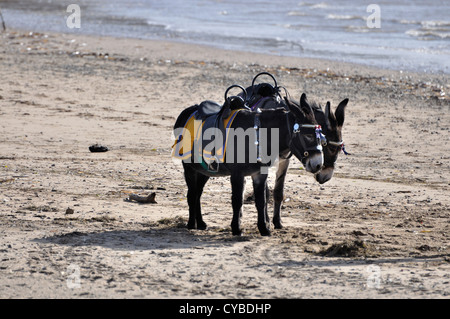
(378, 229)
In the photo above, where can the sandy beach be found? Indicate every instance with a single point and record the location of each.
(378, 229)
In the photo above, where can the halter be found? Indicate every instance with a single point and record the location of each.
(337, 144)
(297, 129)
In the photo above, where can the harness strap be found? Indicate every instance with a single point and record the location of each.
(257, 127)
(290, 136)
(259, 101)
(339, 144)
(296, 130)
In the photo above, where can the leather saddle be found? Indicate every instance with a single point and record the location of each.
(212, 114)
(208, 108)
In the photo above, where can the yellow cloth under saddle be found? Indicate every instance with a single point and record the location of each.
(183, 147)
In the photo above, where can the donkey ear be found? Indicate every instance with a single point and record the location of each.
(304, 105)
(293, 107)
(331, 120)
(327, 109)
(340, 112)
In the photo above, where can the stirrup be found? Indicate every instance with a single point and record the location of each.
(210, 164)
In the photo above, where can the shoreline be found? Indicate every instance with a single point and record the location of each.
(230, 56)
(173, 51)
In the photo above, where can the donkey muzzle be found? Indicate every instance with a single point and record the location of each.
(314, 163)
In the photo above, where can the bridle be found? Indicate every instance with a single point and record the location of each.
(340, 144)
(323, 139)
(320, 137)
(300, 129)
(296, 129)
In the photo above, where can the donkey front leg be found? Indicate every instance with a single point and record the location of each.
(237, 194)
(261, 191)
(278, 192)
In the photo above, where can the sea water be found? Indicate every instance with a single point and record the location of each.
(402, 35)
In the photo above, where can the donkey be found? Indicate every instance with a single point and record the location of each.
(298, 134)
(266, 96)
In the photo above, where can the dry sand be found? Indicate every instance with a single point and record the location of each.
(378, 229)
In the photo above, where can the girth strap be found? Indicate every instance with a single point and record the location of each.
(257, 127)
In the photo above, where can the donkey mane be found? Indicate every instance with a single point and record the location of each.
(277, 110)
(316, 107)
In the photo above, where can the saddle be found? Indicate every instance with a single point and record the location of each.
(208, 108)
(208, 128)
(214, 117)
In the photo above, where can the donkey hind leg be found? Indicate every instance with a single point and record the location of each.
(278, 192)
(195, 183)
(261, 194)
(237, 194)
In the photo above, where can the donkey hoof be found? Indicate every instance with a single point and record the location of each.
(278, 225)
(201, 225)
(237, 232)
(264, 232)
(191, 225)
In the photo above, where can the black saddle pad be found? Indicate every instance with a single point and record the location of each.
(208, 108)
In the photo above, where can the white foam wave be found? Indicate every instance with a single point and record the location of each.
(321, 5)
(296, 13)
(359, 29)
(433, 24)
(408, 21)
(344, 17)
(156, 24)
(428, 34)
